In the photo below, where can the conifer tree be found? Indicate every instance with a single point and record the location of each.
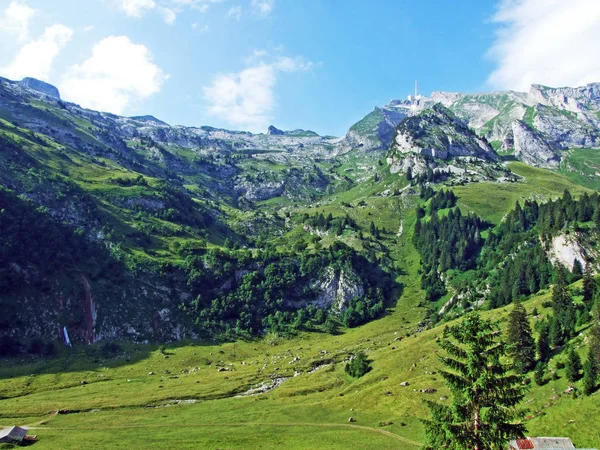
(596, 218)
(590, 374)
(543, 343)
(573, 366)
(485, 407)
(555, 333)
(577, 272)
(589, 288)
(562, 304)
(595, 342)
(538, 375)
(372, 228)
(519, 338)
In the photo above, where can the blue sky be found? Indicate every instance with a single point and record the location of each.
(313, 64)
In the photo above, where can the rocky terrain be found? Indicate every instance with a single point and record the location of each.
(553, 120)
(437, 139)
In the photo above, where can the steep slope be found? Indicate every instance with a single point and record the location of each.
(555, 119)
(433, 139)
(374, 132)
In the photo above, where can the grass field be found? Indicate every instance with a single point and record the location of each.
(124, 407)
(582, 166)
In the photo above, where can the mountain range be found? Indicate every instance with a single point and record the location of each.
(141, 191)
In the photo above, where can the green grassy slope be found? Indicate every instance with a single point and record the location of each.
(309, 409)
(121, 398)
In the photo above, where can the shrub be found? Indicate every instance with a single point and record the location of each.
(36, 346)
(358, 366)
(9, 346)
(110, 349)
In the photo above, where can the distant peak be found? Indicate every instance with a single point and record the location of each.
(40, 86)
(148, 118)
(274, 131)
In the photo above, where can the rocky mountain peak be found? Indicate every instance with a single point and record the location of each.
(40, 86)
(585, 98)
(274, 131)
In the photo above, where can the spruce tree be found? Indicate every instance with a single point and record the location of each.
(590, 374)
(577, 272)
(543, 343)
(538, 375)
(596, 218)
(484, 412)
(573, 366)
(562, 304)
(589, 288)
(519, 338)
(595, 342)
(372, 228)
(555, 332)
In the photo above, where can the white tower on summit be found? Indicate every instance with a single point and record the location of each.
(414, 99)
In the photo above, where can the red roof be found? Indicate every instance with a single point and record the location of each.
(524, 444)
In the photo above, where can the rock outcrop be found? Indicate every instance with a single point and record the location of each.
(40, 86)
(272, 131)
(437, 133)
(337, 289)
(531, 147)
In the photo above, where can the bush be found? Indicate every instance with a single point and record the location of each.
(36, 346)
(9, 346)
(50, 349)
(110, 349)
(358, 366)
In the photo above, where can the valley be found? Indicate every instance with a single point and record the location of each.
(223, 262)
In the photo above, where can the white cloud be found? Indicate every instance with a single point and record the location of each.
(15, 20)
(35, 58)
(550, 42)
(169, 16)
(136, 8)
(246, 99)
(117, 73)
(287, 64)
(168, 9)
(243, 99)
(235, 11)
(200, 28)
(263, 7)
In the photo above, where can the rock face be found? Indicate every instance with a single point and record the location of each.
(375, 131)
(337, 289)
(272, 131)
(580, 99)
(40, 86)
(562, 118)
(565, 249)
(437, 133)
(531, 147)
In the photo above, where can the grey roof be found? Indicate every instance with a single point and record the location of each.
(552, 443)
(544, 443)
(12, 434)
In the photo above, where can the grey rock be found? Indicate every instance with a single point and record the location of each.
(40, 86)
(532, 148)
(272, 131)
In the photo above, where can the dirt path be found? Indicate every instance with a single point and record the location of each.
(259, 424)
(87, 309)
(41, 422)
